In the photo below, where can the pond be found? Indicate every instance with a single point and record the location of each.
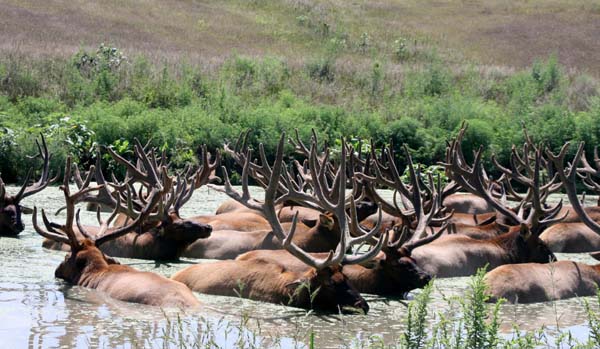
(40, 311)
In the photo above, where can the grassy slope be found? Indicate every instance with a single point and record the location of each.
(495, 32)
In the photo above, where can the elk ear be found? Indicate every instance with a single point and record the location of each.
(26, 210)
(309, 222)
(525, 232)
(304, 280)
(595, 255)
(503, 227)
(326, 221)
(292, 286)
(110, 260)
(487, 221)
(370, 264)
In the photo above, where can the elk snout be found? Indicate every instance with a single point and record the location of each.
(362, 304)
(424, 278)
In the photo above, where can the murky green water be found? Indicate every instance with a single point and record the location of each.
(39, 311)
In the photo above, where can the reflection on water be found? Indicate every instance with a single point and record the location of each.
(39, 311)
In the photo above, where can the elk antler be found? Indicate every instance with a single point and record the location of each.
(44, 179)
(329, 196)
(65, 233)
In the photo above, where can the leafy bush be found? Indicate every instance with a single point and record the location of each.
(110, 99)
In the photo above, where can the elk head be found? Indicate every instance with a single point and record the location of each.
(328, 192)
(85, 258)
(10, 207)
(421, 200)
(150, 173)
(532, 215)
(400, 268)
(529, 247)
(333, 292)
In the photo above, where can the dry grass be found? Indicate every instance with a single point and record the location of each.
(495, 32)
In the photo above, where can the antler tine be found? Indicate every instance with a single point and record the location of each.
(299, 146)
(271, 215)
(21, 192)
(206, 172)
(471, 178)
(152, 175)
(568, 178)
(590, 184)
(513, 172)
(415, 192)
(183, 193)
(357, 259)
(410, 246)
(149, 178)
(154, 198)
(228, 189)
(103, 224)
(71, 200)
(509, 188)
(51, 233)
(2, 191)
(587, 172)
(356, 230)
(397, 240)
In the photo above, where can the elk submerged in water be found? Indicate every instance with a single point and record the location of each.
(393, 272)
(87, 266)
(271, 281)
(456, 255)
(534, 282)
(162, 235)
(11, 223)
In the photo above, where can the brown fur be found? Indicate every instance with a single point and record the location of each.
(479, 232)
(389, 274)
(533, 282)
(573, 217)
(88, 267)
(455, 255)
(164, 242)
(323, 236)
(388, 221)
(240, 221)
(571, 238)
(231, 205)
(467, 203)
(273, 282)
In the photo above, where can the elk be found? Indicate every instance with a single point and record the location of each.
(392, 272)
(572, 235)
(87, 266)
(571, 238)
(319, 236)
(317, 230)
(467, 203)
(230, 205)
(533, 282)
(162, 235)
(272, 281)
(10, 207)
(461, 255)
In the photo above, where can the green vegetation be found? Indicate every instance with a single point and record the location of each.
(467, 322)
(103, 97)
